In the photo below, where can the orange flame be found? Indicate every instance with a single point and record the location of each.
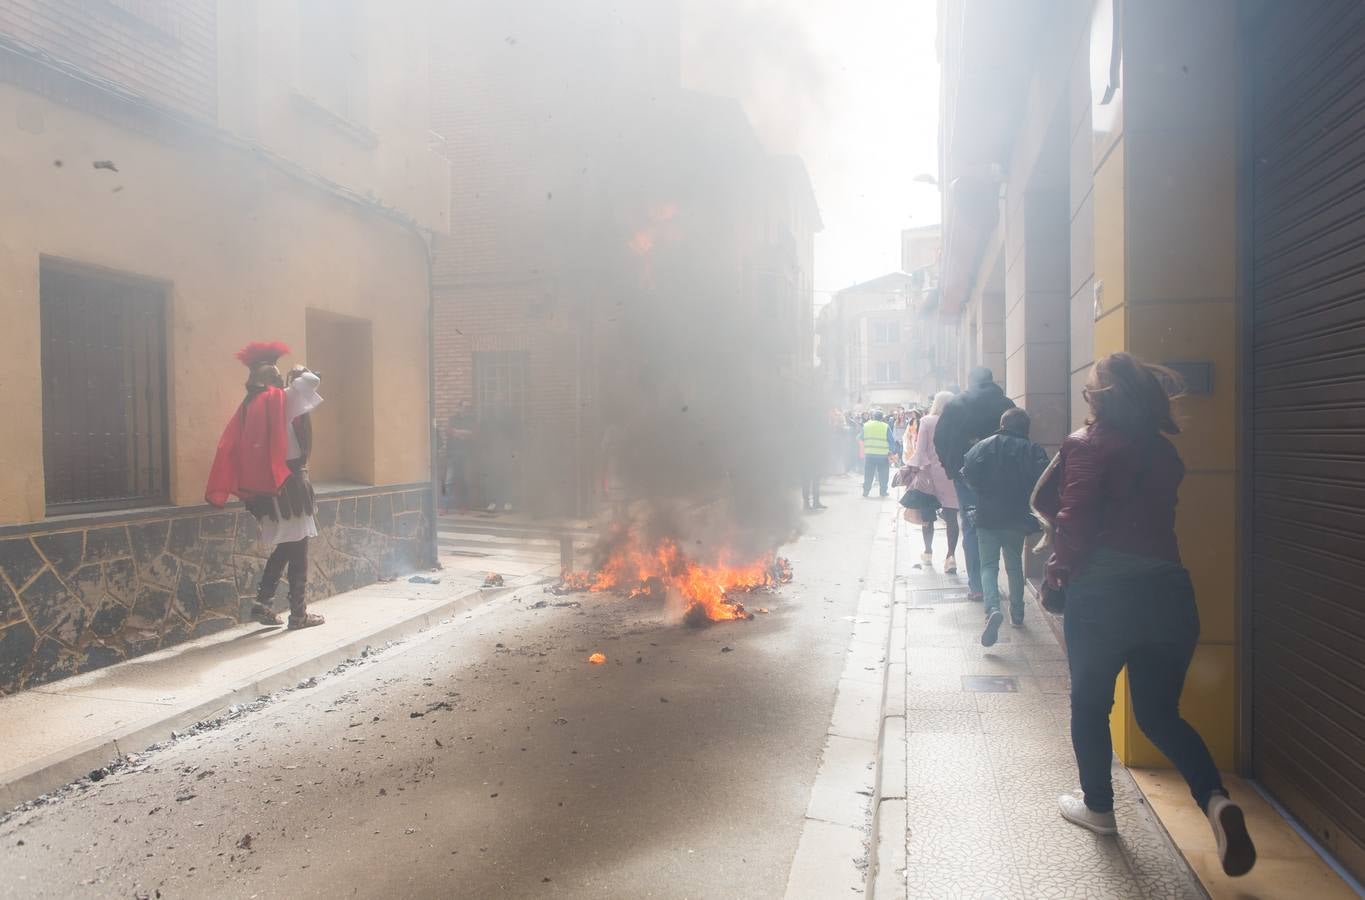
(597, 659)
(642, 242)
(708, 589)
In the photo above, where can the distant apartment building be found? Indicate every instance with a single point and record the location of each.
(883, 342)
(932, 350)
(865, 336)
(182, 178)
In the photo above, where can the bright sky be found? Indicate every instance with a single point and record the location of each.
(850, 85)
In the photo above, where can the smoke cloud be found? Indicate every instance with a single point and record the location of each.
(759, 52)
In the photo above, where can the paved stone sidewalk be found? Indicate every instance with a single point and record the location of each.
(985, 737)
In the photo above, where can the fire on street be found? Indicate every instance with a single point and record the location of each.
(486, 759)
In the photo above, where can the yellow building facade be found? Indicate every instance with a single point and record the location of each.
(1172, 179)
(247, 189)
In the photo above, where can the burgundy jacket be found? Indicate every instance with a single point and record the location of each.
(1110, 489)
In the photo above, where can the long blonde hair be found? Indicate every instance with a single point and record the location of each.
(940, 400)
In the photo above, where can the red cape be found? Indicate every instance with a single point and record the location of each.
(251, 453)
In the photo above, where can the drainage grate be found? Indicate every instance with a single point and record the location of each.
(941, 595)
(990, 684)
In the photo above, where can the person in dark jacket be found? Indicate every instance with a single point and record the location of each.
(1110, 498)
(969, 417)
(1002, 470)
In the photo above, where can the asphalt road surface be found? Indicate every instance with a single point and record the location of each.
(487, 758)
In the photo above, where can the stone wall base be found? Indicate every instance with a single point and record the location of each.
(81, 593)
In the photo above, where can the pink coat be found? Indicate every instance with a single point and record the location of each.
(931, 478)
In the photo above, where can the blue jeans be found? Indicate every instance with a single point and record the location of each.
(966, 499)
(991, 542)
(1150, 624)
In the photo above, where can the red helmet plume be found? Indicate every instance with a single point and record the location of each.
(259, 353)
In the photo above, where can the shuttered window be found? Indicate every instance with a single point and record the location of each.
(104, 390)
(1308, 436)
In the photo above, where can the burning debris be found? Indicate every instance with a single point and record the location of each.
(597, 659)
(629, 565)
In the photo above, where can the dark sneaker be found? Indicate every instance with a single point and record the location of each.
(1235, 849)
(264, 615)
(992, 632)
(307, 620)
(1017, 621)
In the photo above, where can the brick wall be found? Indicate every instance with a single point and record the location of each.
(498, 318)
(514, 98)
(165, 50)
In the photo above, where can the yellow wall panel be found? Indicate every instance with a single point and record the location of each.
(1195, 332)
(1209, 703)
(245, 251)
(1111, 333)
(1206, 524)
(1110, 250)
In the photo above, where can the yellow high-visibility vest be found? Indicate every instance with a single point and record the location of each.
(876, 438)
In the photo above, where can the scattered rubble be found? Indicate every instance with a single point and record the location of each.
(493, 579)
(133, 762)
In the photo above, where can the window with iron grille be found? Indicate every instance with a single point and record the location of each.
(500, 386)
(885, 331)
(104, 390)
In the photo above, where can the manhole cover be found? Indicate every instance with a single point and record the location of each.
(990, 684)
(942, 595)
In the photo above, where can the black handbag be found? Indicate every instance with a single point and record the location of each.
(916, 499)
(1053, 599)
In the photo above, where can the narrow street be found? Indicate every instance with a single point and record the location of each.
(488, 758)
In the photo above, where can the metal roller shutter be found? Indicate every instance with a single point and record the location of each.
(1307, 76)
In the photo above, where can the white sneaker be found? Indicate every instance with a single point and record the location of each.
(926, 558)
(1235, 849)
(949, 566)
(507, 507)
(492, 507)
(1075, 811)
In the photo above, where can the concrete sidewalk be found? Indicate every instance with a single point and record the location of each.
(980, 740)
(60, 731)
